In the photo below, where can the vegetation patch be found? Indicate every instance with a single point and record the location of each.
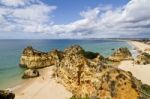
(146, 88)
(90, 55)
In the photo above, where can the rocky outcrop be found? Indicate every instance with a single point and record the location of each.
(120, 54)
(143, 58)
(30, 73)
(6, 94)
(92, 79)
(74, 49)
(115, 83)
(32, 58)
(87, 75)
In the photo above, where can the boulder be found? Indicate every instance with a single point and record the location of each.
(30, 73)
(143, 58)
(120, 54)
(6, 94)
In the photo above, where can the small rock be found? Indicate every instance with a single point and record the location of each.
(112, 49)
(4, 94)
(30, 73)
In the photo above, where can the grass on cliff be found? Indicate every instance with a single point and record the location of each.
(146, 88)
(85, 97)
(90, 55)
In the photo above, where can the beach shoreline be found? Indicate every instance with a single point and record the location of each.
(140, 46)
(139, 71)
(41, 87)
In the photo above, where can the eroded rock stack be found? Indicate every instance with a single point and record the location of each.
(120, 54)
(32, 58)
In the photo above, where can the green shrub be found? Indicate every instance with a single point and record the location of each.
(90, 55)
(85, 97)
(146, 88)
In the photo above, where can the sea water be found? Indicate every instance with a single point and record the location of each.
(11, 50)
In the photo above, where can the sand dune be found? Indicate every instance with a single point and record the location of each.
(43, 87)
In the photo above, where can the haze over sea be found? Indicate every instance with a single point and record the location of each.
(10, 52)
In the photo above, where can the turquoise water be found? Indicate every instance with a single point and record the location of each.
(10, 51)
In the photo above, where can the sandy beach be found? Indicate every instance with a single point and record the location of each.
(43, 87)
(141, 72)
(140, 46)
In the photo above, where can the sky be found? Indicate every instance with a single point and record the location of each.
(58, 19)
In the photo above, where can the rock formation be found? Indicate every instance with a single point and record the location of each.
(120, 54)
(5, 94)
(92, 79)
(86, 74)
(30, 73)
(32, 58)
(143, 58)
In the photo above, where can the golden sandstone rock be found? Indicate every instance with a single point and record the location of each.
(87, 74)
(120, 54)
(32, 58)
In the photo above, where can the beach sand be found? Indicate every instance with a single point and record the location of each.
(43, 87)
(142, 72)
(140, 46)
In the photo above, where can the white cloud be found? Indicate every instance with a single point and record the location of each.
(90, 13)
(133, 19)
(25, 18)
(16, 3)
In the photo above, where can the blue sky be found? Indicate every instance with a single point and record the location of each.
(50, 19)
(68, 10)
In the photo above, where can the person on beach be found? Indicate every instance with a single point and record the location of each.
(133, 62)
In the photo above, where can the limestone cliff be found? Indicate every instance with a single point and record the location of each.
(32, 58)
(87, 78)
(120, 54)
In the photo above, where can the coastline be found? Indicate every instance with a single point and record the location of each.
(139, 71)
(41, 87)
(20, 87)
(47, 88)
(140, 47)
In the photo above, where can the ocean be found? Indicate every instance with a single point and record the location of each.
(11, 50)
